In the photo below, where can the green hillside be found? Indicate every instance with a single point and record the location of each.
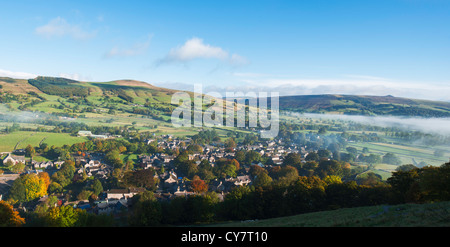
(364, 105)
(45, 102)
(405, 215)
(70, 98)
(128, 92)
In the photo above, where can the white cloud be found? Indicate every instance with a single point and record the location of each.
(363, 85)
(59, 27)
(356, 85)
(16, 75)
(135, 50)
(195, 48)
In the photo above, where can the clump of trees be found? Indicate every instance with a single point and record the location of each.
(59, 86)
(29, 187)
(9, 217)
(301, 194)
(421, 185)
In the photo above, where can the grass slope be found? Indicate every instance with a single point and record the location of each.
(21, 139)
(405, 215)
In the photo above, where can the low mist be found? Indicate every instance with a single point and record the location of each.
(439, 126)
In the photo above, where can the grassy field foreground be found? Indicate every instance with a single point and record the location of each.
(405, 215)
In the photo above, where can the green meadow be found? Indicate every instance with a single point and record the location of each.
(404, 215)
(22, 138)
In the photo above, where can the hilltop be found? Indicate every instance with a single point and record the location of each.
(128, 90)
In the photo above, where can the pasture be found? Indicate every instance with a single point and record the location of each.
(22, 138)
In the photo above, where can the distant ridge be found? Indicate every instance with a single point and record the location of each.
(364, 105)
(139, 91)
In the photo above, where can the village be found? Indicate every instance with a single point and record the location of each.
(171, 182)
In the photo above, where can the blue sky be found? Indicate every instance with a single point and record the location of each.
(398, 47)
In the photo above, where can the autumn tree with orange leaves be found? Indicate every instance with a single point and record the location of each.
(199, 186)
(8, 216)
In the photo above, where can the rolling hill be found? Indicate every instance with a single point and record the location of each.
(58, 95)
(138, 92)
(364, 105)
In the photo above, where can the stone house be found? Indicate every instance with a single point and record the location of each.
(14, 159)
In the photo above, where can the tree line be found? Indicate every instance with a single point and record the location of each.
(302, 195)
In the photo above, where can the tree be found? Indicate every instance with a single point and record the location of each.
(141, 178)
(255, 170)
(308, 168)
(230, 144)
(240, 156)
(370, 179)
(251, 157)
(29, 151)
(146, 210)
(224, 167)
(122, 149)
(199, 186)
(8, 216)
(405, 168)
(334, 147)
(322, 131)
(17, 191)
(405, 185)
(331, 167)
(97, 187)
(46, 178)
(292, 159)
(373, 159)
(65, 216)
(146, 213)
(35, 186)
(434, 183)
(332, 179)
(194, 148)
(64, 176)
(312, 156)
(237, 205)
(235, 163)
(18, 168)
(188, 169)
(347, 157)
(352, 150)
(113, 158)
(84, 195)
(55, 187)
(262, 179)
(28, 187)
(392, 159)
(323, 153)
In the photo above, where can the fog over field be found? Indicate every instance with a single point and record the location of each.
(439, 126)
